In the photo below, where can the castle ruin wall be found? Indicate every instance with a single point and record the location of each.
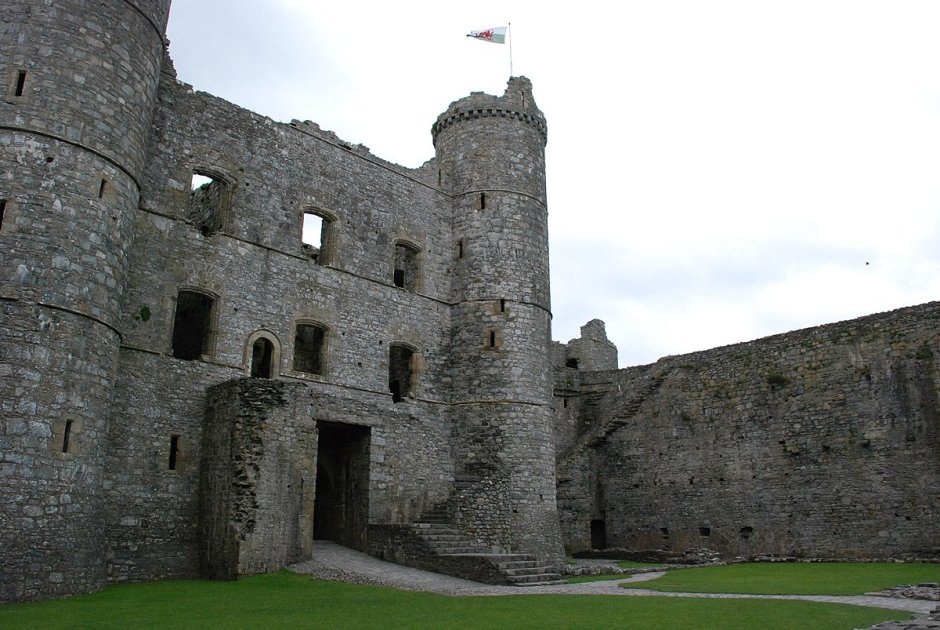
(822, 442)
(264, 282)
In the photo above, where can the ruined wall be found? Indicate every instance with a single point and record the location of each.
(258, 474)
(263, 282)
(266, 479)
(577, 389)
(592, 350)
(820, 442)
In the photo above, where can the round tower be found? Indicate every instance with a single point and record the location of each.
(78, 86)
(491, 151)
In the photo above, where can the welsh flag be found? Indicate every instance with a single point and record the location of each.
(495, 35)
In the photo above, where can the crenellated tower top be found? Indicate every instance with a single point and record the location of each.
(516, 103)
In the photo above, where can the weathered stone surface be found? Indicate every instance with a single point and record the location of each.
(816, 443)
(401, 366)
(133, 306)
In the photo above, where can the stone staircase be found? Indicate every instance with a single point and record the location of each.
(449, 543)
(625, 410)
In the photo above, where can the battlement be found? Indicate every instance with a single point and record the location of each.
(517, 103)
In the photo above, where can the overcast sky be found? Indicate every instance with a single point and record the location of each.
(717, 171)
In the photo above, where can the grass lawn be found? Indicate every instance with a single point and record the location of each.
(822, 578)
(285, 600)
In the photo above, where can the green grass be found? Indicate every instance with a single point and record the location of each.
(285, 600)
(823, 578)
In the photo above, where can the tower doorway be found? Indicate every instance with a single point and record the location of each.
(341, 508)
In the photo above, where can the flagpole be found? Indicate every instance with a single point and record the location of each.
(509, 33)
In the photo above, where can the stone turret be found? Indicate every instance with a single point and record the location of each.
(77, 91)
(491, 151)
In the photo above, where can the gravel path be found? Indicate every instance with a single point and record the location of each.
(334, 562)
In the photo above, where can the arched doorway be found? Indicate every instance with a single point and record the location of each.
(262, 358)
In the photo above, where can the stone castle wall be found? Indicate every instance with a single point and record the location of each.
(264, 282)
(432, 386)
(77, 89)
(820, 442)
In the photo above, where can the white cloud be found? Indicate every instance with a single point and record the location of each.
(717, 171)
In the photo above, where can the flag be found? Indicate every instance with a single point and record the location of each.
(495, 35)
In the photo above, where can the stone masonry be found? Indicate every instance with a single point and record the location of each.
(822, 442)
(192, 385)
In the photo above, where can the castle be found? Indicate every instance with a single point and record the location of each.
(195, 384)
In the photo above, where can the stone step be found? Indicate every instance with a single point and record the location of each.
(445, 539)
(538, 570)
(536, 579)
(437, 528)
(435, 515)
(519, 564)
(442, 536)
(545, 583)
(459, 551)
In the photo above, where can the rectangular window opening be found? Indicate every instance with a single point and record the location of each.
(3, 209)
(460, 248)
(174, 451)
(313, 230)
(309, 347)
(192, 325)
(502, 306)
(102, 188)
(482, 201)
(406, 267)
(209, 201)
(492, 339)
(66, 436)
(317, 237)
(20, 83)
(400, 373)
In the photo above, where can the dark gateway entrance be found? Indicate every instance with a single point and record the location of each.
(341, 508)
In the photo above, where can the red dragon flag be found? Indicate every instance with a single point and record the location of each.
(495, 35)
